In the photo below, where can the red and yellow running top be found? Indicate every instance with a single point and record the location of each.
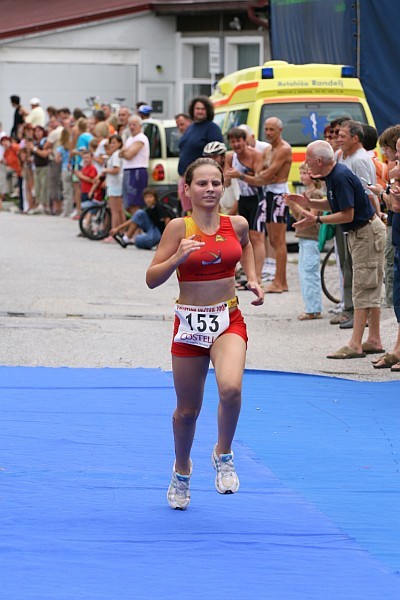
(218, 257)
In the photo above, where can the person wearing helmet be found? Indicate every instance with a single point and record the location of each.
(217, 151)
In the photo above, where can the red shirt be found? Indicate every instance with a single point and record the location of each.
(89, 171)
(218, 257)
(11, 159)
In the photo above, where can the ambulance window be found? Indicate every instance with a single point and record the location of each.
(219, 119)
(304, 122)
(236, 118)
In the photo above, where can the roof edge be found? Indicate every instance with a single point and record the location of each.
(68, 22)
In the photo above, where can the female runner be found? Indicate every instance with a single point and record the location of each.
(204, 249)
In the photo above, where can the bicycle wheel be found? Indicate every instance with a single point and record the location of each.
(95, 222)
(330, 277)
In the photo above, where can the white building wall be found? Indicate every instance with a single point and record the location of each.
(131, 57)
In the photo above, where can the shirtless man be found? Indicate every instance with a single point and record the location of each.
(277, 160)
(240, 163)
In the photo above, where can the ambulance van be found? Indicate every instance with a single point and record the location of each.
(305, 97)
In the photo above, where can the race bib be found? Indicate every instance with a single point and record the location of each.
(201, 325)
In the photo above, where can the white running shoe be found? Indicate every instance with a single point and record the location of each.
(38, 210)
(226, 479)
(178, 494)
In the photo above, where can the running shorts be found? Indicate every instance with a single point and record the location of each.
(252, 208)
(277, 209)
(236, 326)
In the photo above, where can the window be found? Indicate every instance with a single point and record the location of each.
(242, 52)
(191, 90)
(248, 55)
(152, 132)
(304, 122)
(219, 119)
(200, 68)
(172, 136)
(236, 118)
(195, 56)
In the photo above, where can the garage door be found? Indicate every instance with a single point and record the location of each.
(62, 84)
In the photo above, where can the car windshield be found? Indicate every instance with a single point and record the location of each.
(304, 122)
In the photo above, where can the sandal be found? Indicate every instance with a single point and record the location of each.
(242, 286)
(379, 358)
(369, 349)
(309, 316)
(345, 353)
(386, 361)
(395, 368)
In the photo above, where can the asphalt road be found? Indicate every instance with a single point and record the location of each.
(66, 301)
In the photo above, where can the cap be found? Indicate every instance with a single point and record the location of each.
(145, 109)
(34, 101)
(4, 136)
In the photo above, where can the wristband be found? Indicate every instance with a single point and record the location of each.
(241, 177)
(318, 220)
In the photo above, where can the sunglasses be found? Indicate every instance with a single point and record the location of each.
(335, 131)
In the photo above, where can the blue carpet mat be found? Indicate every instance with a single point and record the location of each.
(85, 461)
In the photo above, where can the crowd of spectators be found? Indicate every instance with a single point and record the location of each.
(58, 162)
(41, 159)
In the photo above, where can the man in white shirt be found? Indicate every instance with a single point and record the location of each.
(37, 116)
(136, 154)
(251, 139)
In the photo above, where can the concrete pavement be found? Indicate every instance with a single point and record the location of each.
(68, 301)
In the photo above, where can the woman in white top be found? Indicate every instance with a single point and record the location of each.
(113, 177)
(136, 154)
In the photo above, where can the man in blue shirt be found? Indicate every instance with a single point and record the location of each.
(201, 132)
(352, 210)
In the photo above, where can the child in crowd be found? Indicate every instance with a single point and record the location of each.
(63, 155)
(100, 152)
(87, 176)
(309, 256)
(151, 221)
(114, 174)
(82, 139)
(11, 160)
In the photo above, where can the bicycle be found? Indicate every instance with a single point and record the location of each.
(95, 221)
(94, 103)
(330, 277)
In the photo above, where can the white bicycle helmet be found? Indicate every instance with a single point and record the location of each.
(214, 148)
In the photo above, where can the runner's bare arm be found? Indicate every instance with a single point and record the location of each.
(241, 228)
(172, 250)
